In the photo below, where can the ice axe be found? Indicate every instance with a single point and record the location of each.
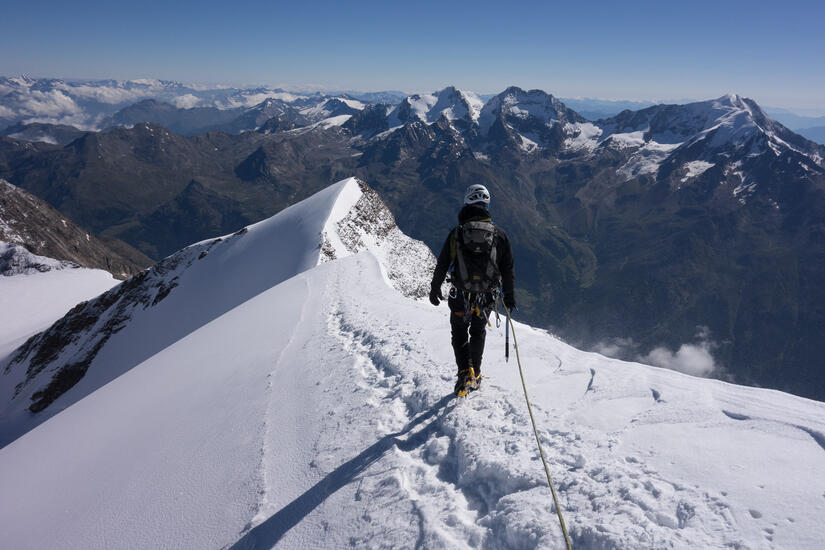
(507, 340)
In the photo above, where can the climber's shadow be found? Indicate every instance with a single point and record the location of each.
(268, 533)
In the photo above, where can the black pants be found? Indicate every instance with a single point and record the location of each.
(468, 348)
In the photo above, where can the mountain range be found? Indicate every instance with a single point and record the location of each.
(96, 104)
(670, 228)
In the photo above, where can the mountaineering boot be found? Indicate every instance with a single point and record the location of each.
(476, 382)
(466, 382)
(461, 380)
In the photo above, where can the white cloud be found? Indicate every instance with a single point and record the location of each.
(107, 94)
(42, 137)
(694, 359)
(250, 100)
(147, 82)
(186, 101)
(51, 104)
(5, 112)
(615, 347)
(79, 121)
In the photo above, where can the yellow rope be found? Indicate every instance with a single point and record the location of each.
(536, 433)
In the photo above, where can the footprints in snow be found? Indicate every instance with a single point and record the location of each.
(467, 465)
(481, 451)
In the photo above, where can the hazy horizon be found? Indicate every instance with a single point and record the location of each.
(650, 52)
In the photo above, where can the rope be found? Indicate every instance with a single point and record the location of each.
(536, 433)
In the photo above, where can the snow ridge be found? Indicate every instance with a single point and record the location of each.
(464, 474)
(344, 219)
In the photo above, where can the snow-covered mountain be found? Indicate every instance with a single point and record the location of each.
(529, 120)
(101, 339)
(460, 107)
(730, 131)
(306, 403)
(532, 118)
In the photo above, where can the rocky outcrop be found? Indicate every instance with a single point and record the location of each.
(40, 232)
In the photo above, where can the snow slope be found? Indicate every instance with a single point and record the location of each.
(31, 302)
(98, 342)
(317, 413)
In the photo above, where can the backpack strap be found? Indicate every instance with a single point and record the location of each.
(464, 276)
(453, 238)
(492, 266)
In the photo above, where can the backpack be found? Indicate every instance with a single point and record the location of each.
(474, 254)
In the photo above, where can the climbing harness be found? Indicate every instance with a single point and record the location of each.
(536, 433)
(477, 303)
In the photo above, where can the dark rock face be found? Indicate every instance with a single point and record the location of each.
(370, 121)
(663, 222)
(28, 221)
(187, 122)
(195, 212)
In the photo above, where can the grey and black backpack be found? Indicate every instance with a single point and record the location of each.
(473, 250)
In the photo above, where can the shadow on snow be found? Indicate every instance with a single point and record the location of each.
(268, 533)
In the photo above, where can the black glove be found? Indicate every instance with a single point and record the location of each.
(510, 302)
(435, 295)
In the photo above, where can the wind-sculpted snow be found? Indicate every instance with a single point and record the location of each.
(99, 340)
(331, 424)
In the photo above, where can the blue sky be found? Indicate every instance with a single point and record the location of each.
(774, 52)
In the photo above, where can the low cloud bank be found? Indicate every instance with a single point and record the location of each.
(186, 101)
(694, 358)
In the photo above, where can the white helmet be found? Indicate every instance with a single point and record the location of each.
(477, 194)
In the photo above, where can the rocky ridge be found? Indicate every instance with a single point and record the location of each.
(40, 238)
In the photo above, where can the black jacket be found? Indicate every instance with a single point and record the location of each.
(504, 252)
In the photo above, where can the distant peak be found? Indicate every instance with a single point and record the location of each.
(734, 100)
(512, 90)
(447, 91)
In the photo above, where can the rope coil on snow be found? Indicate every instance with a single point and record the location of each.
(536, 433)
